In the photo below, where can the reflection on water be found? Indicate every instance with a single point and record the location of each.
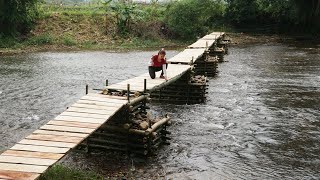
(261, 120)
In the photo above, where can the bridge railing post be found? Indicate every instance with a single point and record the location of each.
(128, 93)
(145, 86)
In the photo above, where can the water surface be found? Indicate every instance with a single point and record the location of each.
(261, 120)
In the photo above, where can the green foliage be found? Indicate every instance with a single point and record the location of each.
(17, 16)
(41, 40)
(7, 41)
(289, 14)
(58, 172)
(191, 18)
(69, 41)
(125, 12)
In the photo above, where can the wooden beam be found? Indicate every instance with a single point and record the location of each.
(43, 155)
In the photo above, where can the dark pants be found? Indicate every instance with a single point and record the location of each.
(153, 70)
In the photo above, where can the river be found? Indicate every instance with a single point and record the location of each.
(261, 119)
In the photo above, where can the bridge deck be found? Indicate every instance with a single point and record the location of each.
(187, 56)
(33, 155)
(137, 84)
(207, 41)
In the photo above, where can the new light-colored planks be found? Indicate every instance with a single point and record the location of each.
(43, 155)
(50, 132)
(26, 160)
(23, 167)
(22, 147)
(16, 175)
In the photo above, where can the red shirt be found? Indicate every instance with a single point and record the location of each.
(156, 63)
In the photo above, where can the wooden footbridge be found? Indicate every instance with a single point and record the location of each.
(33, 155)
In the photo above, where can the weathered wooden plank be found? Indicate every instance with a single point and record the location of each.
(23, 147)
(80, 119)
(92, 98)
(90, 106)
(47, 143)
(86, 115)
(42, 155)
(22, 168)
(60, 133)
(106, 96)
(16, 175)
(124, 87)
(89, 111)
(67, 129)
(202, 44)
(26, 160)
(99, 103)
(74, 124)
(45, 137)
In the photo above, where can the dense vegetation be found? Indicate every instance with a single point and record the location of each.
(120, 20)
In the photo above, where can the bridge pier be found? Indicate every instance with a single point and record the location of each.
(131, 130)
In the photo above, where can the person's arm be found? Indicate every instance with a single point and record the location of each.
(164, 69)
(151, 63)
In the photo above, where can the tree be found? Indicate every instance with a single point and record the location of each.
(17, 16)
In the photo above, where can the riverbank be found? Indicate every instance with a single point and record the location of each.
(134, 43)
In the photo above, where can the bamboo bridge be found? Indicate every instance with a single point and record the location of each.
(111, 118)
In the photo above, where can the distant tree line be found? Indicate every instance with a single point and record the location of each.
(296, 15)
(190, 18)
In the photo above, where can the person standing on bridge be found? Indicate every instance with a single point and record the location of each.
(158, 63)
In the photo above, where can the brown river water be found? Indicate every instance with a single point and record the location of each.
(261, 119)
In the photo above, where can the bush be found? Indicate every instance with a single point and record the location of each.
(69, 41)
(191, 18)
(7, 41)
(62, 172)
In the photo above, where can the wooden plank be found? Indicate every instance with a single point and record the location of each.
(23, 168)
(90, 111)
(99, 103)
(56, 138)
(42, 155)
(60, 133)
(89, 106)
(74, 124)
(86, 115)
(67, 129)
(25, 160)
(23, 147)
(47, 143)
(107, 96)
(79, 119)
(202, 44)
(116, 101)
(16, 175)
(124, 87)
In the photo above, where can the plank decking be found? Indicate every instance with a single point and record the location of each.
(34, 154)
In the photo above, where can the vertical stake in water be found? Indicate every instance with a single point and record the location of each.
(87, 89)
(207, 45)
(128, 92)
(192, 59)
(107, 82)
(145, 86)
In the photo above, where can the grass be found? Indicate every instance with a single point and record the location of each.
(42, 39)
(60, 172)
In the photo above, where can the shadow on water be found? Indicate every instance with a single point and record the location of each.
(261, 120)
